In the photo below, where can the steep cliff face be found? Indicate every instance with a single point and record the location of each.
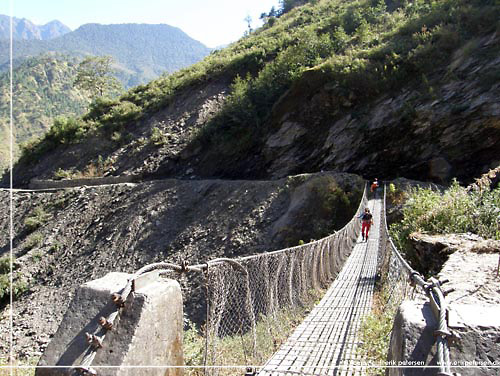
(436, 127)
(442, 126)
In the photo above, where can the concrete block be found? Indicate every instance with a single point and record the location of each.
(148, 332)
(413, 342)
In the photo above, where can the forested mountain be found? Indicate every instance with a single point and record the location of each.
(25, 29)
(378, 88)
(43, 89)
(142, 52)
(45, 67)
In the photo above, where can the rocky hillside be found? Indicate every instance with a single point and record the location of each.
(65, 238)
(392, 89)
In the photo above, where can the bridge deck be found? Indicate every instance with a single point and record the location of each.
(326, 342)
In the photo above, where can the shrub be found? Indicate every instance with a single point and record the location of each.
(118, 116)
(65, 131)
(100, 107)
(37, 218)
(157, 137)
(194, 345)
(95, 168)
(454, 211)
(63, 174)
(19, 285)
(33, 240)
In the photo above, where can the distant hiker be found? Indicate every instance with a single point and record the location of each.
(366, 222)
(374, 185)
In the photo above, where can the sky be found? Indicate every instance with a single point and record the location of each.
(212, 22)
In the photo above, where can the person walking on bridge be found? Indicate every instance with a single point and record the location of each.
(374, 186)
(366, 222)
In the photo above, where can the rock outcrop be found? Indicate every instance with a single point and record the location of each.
(424, 132)
(471, 268)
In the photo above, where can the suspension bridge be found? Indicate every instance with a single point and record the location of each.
(249, 302)
(328, 338)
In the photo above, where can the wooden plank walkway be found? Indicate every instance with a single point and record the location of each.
(326, 342)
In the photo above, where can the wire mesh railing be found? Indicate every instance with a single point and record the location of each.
(250, 303)
(405, 282)
(394, 269)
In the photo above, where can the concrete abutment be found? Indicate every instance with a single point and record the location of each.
(146, 338)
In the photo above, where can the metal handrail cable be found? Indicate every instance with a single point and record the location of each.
(433, 291)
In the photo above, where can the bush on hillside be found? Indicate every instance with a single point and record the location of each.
(37, 218)
(64, 131)
(456, 210)
(19, 284)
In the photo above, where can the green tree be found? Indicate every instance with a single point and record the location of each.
(248, 20)
(95, 75)
(288, 5)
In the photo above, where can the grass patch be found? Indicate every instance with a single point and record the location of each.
(37, 218)
(28, 371)
(375, 332)
(94, 169)
(158, 138)
(33, 240)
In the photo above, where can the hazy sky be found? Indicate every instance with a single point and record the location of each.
(212, 22)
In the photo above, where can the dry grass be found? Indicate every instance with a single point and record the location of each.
(20, 367)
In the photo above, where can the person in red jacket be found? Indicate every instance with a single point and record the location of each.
(366, 222)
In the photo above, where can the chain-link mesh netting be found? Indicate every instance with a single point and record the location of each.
(253, 303)
(406, 283)
(395, 271)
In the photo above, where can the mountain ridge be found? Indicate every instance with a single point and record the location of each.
(24, 29)
(142, 52)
